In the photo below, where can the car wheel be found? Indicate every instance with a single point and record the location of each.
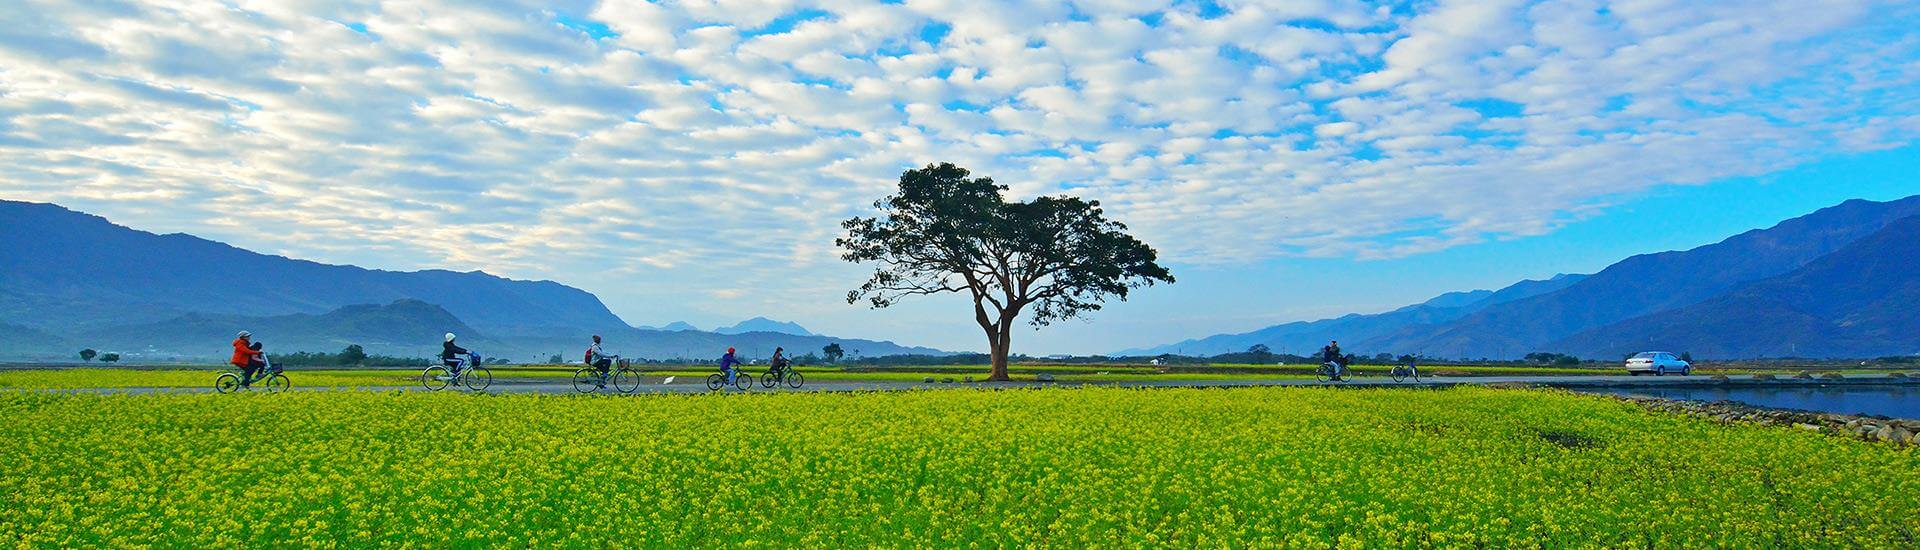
(1686, 370)
(1660, 371)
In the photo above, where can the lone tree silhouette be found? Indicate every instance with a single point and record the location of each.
(945, 232)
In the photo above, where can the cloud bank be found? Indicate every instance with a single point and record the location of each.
(704, 151)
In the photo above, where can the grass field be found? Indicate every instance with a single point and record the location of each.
(1061, 467)
(318, 377)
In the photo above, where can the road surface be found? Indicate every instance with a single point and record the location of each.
(691, 385)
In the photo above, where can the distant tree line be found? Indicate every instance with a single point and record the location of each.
(89, 354)
(356, 356)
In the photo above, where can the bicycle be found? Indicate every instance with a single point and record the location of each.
(741, 380)
(1329, 370)
(590, 379)
(1402, 372)
(779, 374)
(470, 373)
(229, 382)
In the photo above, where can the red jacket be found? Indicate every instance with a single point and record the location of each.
(242, 354)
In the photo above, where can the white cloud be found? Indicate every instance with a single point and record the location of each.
(716, 144)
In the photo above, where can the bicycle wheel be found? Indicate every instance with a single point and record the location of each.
(1399, 374)
(435, 377)
(715, 382)
(478, 379)
(586, 380)
(278, 383)
(743, 381)
(794, 380)
(767, 380)
(626, 380)
(226, 383)
(1323, 374)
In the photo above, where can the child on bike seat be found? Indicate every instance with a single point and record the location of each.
(245, 356)
(779, 361)
(255, 366)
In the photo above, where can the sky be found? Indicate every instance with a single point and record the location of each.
(692, 160)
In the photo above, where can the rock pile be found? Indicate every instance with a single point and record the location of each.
(1870, 428)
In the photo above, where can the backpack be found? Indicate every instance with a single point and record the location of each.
(589, 358)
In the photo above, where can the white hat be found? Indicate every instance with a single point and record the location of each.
(449, 337)
(244, 334)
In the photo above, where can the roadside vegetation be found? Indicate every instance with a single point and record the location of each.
(1305, 467)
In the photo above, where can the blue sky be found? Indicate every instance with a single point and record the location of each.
(691, 160)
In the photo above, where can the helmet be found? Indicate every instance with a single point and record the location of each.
(729, 350)
(244, 334)
(596, 337)
(449, 337)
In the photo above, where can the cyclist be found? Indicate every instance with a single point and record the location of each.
(246, 355)
(727, 364)
(779, 361)
(1331, 355)
(600, 360)
(453, 356)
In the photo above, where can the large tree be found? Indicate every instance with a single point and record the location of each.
(943, 232)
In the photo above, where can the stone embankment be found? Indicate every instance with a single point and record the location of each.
(1870, 428)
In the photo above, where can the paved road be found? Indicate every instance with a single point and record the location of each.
(682, 385)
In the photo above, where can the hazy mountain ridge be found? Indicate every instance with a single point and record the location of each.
(1647, 284)
(1826, 284)
(63, 270)
(1860, 301)
(763, 324)
(1306, 336)
(101, 285)
(403, 328)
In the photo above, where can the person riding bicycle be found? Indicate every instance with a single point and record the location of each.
(452, 355)
(247, 356)
(728, 364)
(1331, 355)
(779, 361)
(599, 359)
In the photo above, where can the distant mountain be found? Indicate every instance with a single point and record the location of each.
(1646, 284)
(404, 328)
(1305, 337)
(697, 345)
(763, 324)
(62, 270)
(1860, 301)
(673, 326)
(24, 339)
(100, 285)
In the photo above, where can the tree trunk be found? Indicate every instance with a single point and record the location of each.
(1002, 342)
(999, 355)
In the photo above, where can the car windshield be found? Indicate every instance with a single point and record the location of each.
(1647, 355)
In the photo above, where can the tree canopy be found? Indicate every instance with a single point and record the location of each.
(946, 232)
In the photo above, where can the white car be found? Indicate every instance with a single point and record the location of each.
(1657, 362)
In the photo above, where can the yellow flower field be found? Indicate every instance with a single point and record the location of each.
(1307, 467)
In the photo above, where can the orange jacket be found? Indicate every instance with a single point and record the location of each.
(242, 354)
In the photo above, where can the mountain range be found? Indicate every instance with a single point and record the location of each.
(1799, 288)
(763, 324)
(71, 280)
(1306, 336)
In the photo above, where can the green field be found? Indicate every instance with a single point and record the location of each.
(1308, 467)
(316, 377)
